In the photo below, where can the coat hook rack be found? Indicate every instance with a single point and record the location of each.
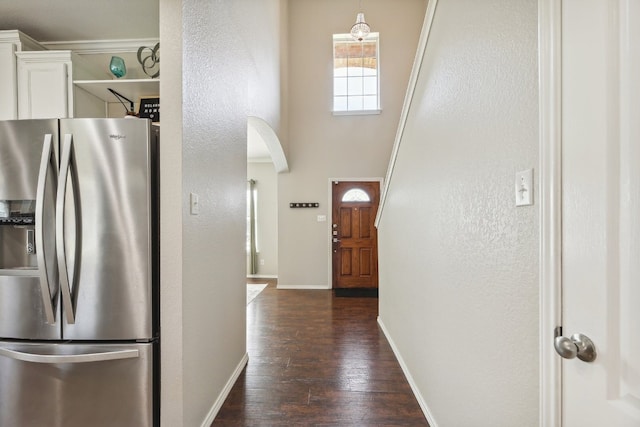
(304, 205)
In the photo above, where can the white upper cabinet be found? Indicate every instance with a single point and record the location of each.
(46, 89)
(36, 83)
(12, 41)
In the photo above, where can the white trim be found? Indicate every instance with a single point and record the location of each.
(549, 41)
(347, 37)
(262, 276)
(414, 388)
(330, 215)
(46, 56)
(303, 287)
(83, 47)
(21, 40)
(356, 112)
(272, 142)
(225, 392)
(408, 99)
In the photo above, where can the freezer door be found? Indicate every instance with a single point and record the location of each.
(106, 256)
(29, 295)
(70, 385)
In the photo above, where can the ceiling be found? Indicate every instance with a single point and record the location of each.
(74, 20)
(84, 20)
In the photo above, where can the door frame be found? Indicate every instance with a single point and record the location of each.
(550, 145)
(329, 219)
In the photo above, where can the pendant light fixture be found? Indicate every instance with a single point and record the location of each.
(360, 29)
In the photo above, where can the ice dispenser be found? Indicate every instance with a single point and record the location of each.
(17, 234)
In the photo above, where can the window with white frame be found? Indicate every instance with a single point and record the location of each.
(356, 86)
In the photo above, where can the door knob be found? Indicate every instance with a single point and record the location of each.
(578, 345)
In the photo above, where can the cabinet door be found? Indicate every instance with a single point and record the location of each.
(9, 98)
(43, 90)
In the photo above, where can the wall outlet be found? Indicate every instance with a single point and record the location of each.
(261, 262)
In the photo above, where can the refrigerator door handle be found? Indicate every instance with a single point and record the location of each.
(69, 358)
(67, 167)
(46, 161)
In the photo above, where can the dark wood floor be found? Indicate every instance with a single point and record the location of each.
(318, 360)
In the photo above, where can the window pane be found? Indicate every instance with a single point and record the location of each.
(368, 71)
(355, 50)
(340, 72)
(354, 86)
(370, 63)
(340, 103)
(370, 85)
(355, 103)
(355, 71)
(356, 62)
(370, 103)
(356, 195)
(369, 48)
(340, 86)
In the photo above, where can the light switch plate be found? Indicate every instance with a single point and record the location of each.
(524, 188)
(195, 204)
(322, 218)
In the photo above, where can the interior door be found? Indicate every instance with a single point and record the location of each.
(601, 212)
(354, 236)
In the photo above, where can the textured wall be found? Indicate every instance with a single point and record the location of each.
(319, 145)
(227, 73)
(171, 216)
(458, 260)
(214, 156)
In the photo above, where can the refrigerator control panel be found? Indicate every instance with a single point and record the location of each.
(17, 220)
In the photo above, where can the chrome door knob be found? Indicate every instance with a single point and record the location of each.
(578, 345)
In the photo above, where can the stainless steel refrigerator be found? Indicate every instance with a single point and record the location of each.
(79, 284)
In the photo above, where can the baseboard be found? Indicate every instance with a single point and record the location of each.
(314, 287)
(262, 276)
(225, 392)
(412, 383)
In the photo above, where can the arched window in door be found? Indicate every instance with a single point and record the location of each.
(356, 195)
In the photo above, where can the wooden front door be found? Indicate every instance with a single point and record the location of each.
(354, 236)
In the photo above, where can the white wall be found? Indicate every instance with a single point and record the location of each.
(215, 73)
(458, 261)
(320, 145)
(171, 207)
(267, 187)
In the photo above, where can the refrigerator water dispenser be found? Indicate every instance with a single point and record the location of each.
(17, 234)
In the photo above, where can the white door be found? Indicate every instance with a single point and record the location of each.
(601, 209)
